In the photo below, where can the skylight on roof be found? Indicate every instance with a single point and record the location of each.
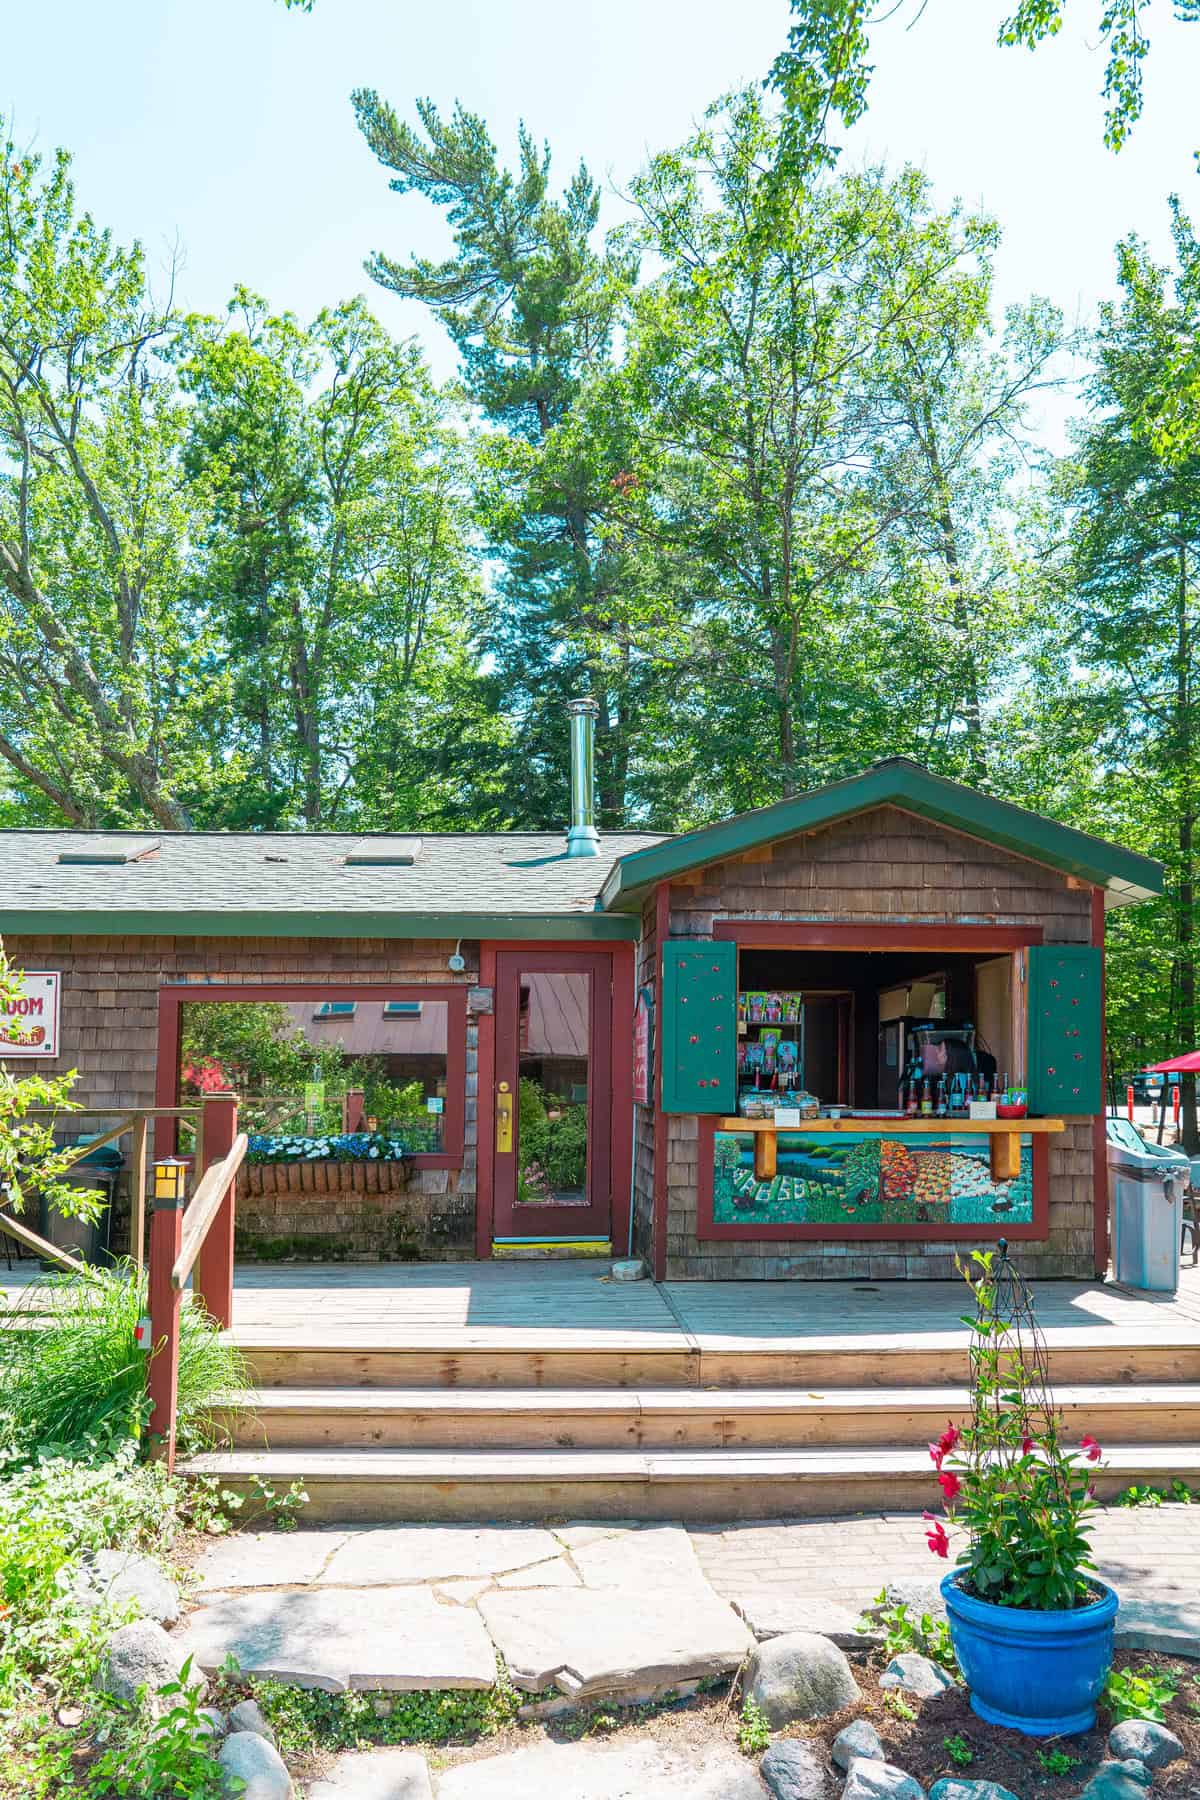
(383, 853)
(336, 1009)
(402, 1009)
(109, 850)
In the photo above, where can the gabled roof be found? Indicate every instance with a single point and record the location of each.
(1125, 876)
(304, 884)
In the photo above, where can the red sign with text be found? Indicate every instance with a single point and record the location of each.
(29, 1017)
(641, 1049)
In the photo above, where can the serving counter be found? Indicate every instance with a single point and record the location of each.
(1004, 1147)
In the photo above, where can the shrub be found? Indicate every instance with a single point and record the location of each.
(73, 1376)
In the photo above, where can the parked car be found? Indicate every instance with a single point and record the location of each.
(1148, 1089)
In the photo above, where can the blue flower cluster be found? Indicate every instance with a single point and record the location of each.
(355, 1146)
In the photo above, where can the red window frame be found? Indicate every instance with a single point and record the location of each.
(174, 997)
(842, 935)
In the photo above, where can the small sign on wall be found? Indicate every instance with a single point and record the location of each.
(642, 1047)
(29, 1019)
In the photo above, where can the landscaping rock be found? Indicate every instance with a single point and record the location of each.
(1126, 1780)
(801, 1676)
(375, 1775)
(792, 1772)
(869, 1780)
(142, 1655)
(258, 1764)
(916, 1674)
(623, 1644)
(339, 1638)
(1169, 1622)
(118, 1577)
(634, 1270)
(953, 1787)
(212, 1722)
(773, 1612)
(636, 1769)
(920, 1597)
(857, 1739)
(248, 1715)
(1144, 1742)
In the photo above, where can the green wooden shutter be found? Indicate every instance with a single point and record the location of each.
(699, 1027)
(1066, 1029)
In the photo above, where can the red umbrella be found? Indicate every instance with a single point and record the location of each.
(1186, 1064)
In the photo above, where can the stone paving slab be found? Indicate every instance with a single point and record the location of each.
(637, 1769)
(400, 1553)
(627, 1643)
(656, 1557)
(339, 1638)
(771, 1612)
(255, 1559)
(375, 1775)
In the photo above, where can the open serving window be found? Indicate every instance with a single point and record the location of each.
(904, 1091)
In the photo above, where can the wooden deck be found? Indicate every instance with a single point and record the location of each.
(575, 1305)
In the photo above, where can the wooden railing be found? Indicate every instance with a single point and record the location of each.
(195, 1244)
(134, 1120)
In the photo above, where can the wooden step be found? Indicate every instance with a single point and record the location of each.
(381, 1485)
(670, 1418)
(599, 1360)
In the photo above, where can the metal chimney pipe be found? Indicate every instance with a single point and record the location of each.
(583, 839)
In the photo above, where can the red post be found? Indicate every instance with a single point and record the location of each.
(1175, 1109)
(213, 1279)
(162, 1376)
(1129, 1103)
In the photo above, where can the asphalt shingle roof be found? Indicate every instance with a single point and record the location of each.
(268, 874)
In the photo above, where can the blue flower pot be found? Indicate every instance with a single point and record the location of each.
(1037, 1672)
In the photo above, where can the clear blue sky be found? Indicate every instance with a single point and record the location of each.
(224, 125)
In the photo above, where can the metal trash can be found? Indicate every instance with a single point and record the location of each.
(1146, 1185)
(91, 1241)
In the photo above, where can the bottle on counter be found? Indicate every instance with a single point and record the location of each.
(943, 1104)
(912, 1099)
(926, 1098)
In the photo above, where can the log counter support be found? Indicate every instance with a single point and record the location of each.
(1004, 1148)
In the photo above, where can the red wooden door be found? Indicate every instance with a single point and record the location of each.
(553, 1094)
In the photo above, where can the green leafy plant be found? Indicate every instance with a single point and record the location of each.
(1007, 1476)
(72, 1373)
(306, 1720)
(958, 1750)
(896, 1703)
(1142, 1693)
(1141, 1496)
(904, 1630)
(1057, 1762)
(754, 1730)
(160, 1753)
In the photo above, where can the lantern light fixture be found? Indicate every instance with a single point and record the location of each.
(169, 1177)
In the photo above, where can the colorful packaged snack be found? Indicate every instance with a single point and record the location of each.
(754, 1008)
(773, 1009)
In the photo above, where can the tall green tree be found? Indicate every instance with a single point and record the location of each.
(335, 562)
(1136, 580)
(104, 673)
(531, 302)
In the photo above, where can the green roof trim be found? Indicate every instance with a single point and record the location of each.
(1125, 876)
(585, 927)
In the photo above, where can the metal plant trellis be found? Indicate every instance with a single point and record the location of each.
(1011, 1398)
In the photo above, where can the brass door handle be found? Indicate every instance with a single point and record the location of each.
(504, 1118)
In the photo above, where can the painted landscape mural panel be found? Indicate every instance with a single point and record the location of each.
(869, 1180)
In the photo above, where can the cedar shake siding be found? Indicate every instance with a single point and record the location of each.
(883, 867)
(110, 993)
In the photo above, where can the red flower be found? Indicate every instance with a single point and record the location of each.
(949, 1437)
(949, 1483)
(1026, 1445)
(1090, 1448)
(936, 1453)
(936, 1538)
